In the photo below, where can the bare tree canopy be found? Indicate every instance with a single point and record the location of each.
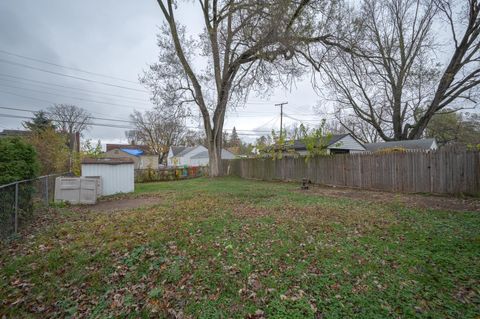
(397, 86)
(69, 118)
(246, 45)
(158, 132)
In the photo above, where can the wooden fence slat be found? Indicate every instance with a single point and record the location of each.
(450, 170)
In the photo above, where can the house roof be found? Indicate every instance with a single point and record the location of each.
(186, 150)
(177, 149)
(108, 160)
(204, 154)
(299, 145)
(423, 144)
(13, 133)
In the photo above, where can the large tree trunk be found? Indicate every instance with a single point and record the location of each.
(215, 155)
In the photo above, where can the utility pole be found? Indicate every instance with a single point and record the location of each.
(281, 116)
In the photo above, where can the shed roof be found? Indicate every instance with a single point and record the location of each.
(423, 144)
(108, 160)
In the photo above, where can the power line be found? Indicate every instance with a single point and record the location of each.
(269, 112)
(70, 76)
(21, 109)
(97, 92)
(93, 124)
(46, 84)
(103, 125)
(92, 117)
(274, 119)
(111, 120)
(65, 67)
(61, 95)
(299, 120)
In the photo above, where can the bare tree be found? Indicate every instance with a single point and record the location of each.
(69, 118)
(461, 77)
(398, 85)
(158, 132)
(246, 44)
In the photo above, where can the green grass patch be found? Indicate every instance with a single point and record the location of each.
(235, 248)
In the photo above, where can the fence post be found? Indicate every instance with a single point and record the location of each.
(46, 190)
(16, 208)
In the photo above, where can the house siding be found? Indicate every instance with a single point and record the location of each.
(199, 161)
(348, 143)
(187, 159)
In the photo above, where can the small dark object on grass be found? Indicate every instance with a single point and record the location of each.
(305, 183)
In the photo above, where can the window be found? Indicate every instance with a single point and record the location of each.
(339, 151)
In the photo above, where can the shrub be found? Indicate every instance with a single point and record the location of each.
(52, 151)
(18, 160)
(391, 150)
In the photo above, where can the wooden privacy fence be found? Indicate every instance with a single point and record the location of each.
(445, 171)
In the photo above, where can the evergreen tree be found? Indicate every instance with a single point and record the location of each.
(226, 140)
(234, 139)
(40, 122)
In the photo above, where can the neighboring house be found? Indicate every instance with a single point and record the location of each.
(192, 156)
(423, 144)
(140, 158)
(10, 133)
(338, 144)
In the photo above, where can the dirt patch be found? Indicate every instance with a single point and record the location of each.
(409, 200)
(119, 204)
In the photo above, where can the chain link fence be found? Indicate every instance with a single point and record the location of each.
(18, 200)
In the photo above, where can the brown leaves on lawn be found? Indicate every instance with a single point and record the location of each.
(240, 255)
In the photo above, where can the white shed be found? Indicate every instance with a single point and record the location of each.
(117, 174)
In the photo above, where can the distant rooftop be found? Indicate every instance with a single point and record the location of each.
(422, 144)
(181, 150)
(6, 133)
(300, 145)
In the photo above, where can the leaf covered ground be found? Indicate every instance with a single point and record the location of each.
(231, 248)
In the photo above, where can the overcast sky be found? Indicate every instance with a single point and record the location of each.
(116, 38)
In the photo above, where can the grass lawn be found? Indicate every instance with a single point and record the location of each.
(230, 248)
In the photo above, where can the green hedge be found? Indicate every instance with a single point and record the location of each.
(18, 160)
